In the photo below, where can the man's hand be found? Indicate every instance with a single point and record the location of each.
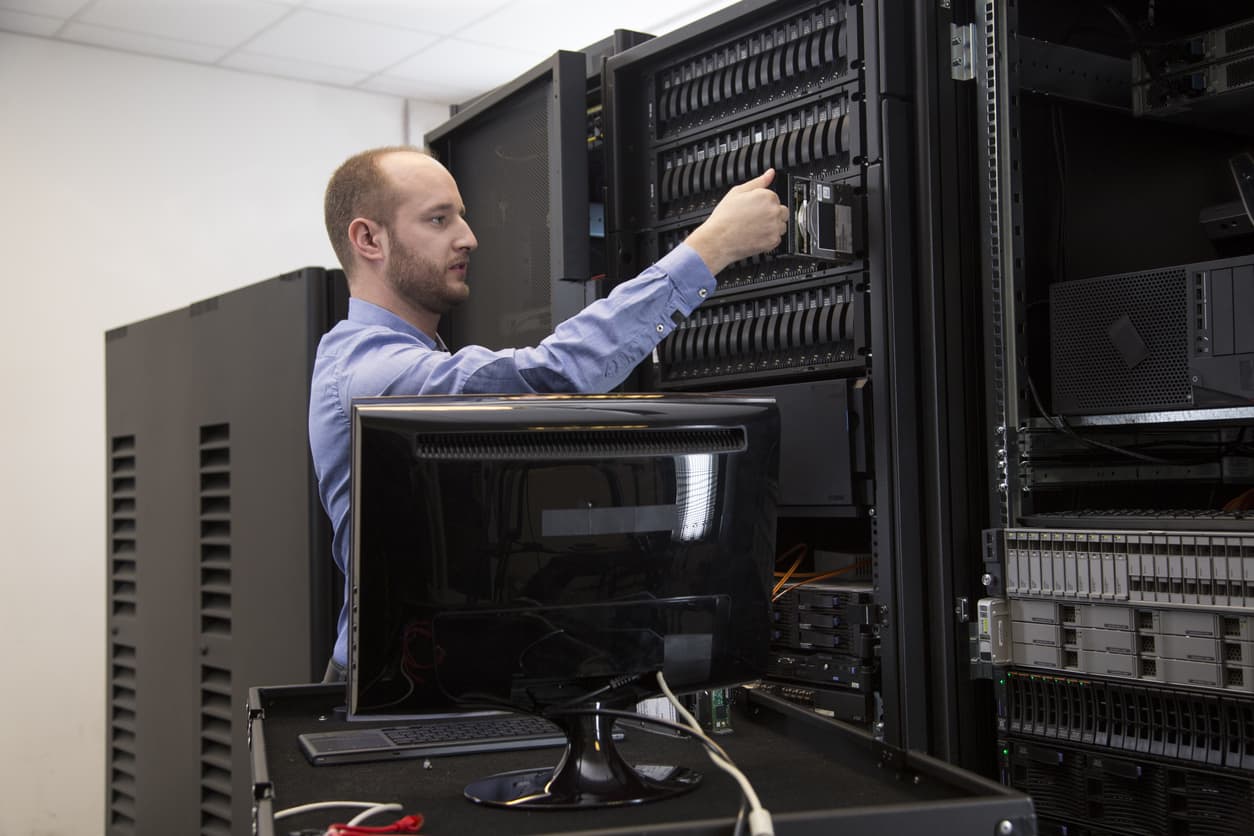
(747, 221)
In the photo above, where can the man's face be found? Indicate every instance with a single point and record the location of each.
(430, 239)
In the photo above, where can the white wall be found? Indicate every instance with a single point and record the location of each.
(129, 186)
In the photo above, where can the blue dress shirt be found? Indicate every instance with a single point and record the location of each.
(374, 352)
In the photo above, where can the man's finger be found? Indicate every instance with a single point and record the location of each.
(762, 181)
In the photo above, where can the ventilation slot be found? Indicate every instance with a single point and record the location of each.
(215, 751)
(215, 530)
(122, 739)
(1239, 37)
(123, 600)
(1240, 73)
(577, 444)
(1212, 805)
(1090, 374)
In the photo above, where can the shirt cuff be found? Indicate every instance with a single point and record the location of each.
(692, 280)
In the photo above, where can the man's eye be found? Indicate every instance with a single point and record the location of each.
(438, 220)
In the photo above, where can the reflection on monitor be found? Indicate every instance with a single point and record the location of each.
(551, 554)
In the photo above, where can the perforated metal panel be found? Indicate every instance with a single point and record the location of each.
(520, 158)
(1120, 343)
(502, 169)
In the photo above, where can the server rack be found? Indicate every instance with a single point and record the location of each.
(860, 324)
(220, 572)
(1120, 555)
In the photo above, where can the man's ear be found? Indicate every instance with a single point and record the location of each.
(368, 238)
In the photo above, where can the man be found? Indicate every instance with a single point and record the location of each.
(398, 226)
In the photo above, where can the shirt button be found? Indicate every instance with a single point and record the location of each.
(703, 293)
(660, 328)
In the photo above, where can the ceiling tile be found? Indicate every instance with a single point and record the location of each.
(442, 18)
(550, 25)
(48, 8)
(22, 23)
(328, 39)
(142, 44)
(291, 68)
(427, 91)
(403, 87)
(660, 21)
(571, 24)
(452, 70)
(220, 22)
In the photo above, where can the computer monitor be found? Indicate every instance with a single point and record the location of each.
(550, 554)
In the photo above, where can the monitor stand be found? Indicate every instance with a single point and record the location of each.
(591, 773)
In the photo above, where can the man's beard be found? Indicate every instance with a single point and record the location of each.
(422, 282)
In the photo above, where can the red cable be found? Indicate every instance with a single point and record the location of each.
(406, 824)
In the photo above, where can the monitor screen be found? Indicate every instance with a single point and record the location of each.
(539, 551)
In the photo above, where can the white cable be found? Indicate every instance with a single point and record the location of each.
(372, 807)
(373, 811)
(759, 818)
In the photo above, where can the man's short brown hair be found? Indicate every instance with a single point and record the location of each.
(359, 189)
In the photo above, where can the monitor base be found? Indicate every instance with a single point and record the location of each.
(532, 789)
(591, 773)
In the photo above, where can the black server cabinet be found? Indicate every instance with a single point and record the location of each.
(861, 323)
(1118, 266)
(219, 566)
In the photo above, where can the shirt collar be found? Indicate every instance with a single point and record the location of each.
(368, 313)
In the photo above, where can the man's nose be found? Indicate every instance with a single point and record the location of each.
(467, 240)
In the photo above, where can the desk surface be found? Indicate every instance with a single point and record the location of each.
(812, 774)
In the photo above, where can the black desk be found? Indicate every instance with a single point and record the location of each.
(814, 775)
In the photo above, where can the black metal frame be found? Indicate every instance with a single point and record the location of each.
(951, 374)
(1021, 79)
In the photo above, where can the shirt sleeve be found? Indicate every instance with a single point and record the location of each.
(591, 352)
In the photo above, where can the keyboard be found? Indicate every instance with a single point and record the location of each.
(427, 738)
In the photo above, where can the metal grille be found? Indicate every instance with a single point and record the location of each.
(215, 620)
(215, 530)
(123, 607)
(577, 444)
(121, 739)
(215, 751)
(122, 566)
(1090, 374)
